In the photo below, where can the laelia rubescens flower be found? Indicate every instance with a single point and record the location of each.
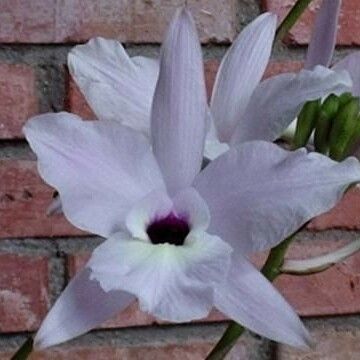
(242, 107)
(177, 237)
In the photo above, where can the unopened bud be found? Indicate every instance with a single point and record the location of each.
(327, 112)
(306, 123)
(354, 141)
(343, 129)
(345, 98)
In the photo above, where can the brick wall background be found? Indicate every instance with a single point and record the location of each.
(38, 254)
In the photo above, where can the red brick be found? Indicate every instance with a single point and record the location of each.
(211, 67)
(142, 21)
(24, 199)
(335, 291)
(192, 350)
(18, 98)
(330, 343)
(345, 215)
(23, 292)
(283, 66)
(349, 22)
(76, 103)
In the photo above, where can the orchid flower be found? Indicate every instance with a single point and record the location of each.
(177, 237)
(242, 107)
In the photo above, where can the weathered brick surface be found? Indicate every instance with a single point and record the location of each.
(284, 66)
(349, 24)
(175, 352)
(18, 98)
(143, 21)
(192, 350)
(335, 291)
(76, 103)
(346, 215)
(330, 343)
(23, 292)
(24, 199)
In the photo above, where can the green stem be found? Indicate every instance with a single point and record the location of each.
(24, 350)
(271, 269)
(291, 18)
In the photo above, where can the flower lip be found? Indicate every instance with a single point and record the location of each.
(172, 229)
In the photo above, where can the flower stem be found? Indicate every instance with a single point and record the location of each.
(291, 18)
(271, 269)
(24, 351)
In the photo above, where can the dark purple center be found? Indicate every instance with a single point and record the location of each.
(171, 229)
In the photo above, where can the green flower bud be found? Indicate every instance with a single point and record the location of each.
(328, 111)
(354, 141)
(343, 129)
(306, 123)
(345, 98)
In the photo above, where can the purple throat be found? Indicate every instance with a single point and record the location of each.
(169, 230)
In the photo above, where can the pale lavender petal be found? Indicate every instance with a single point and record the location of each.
(323, 39)
(251, 300)
(258, 194)
(116, 86)
(173, 283)
(240, 72)
(155, 205)
(213, 146)
(179, 107)
(189, 204)
(81, 307)
(277, 101)
(351, 64)
(99, 168)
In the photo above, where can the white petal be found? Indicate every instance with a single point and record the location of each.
(156, 205)
(277, 101)
(258, 194)
(240, 72)
(351, 64)
(189, 204)
(251, 300)
(179, 109)
(99, 168)
(116, 86)
(81, 307)
(323, 39)
(173, 283)
(213, 146)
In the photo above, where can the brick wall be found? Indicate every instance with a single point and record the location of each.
(38, 255)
